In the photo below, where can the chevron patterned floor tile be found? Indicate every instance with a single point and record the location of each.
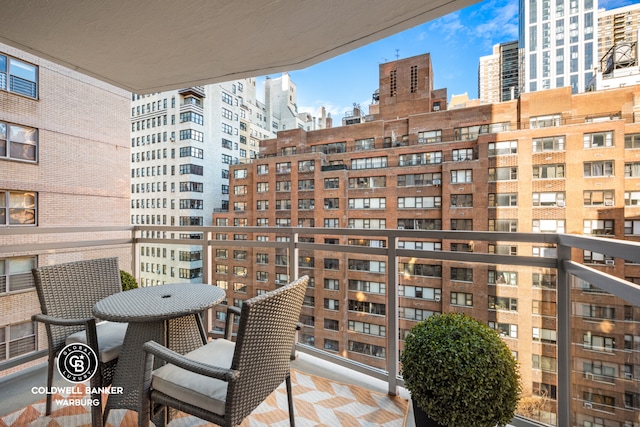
(318, 402)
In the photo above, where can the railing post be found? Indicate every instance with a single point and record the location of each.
(563, 326)
(207, 275)
(293, 256)
(135, 248)
(392, 314)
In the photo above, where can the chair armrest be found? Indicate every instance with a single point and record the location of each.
(60, 321)
(232, 311)
(179, 360)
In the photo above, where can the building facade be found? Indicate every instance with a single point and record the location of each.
(489, 77)
(63, 163)
(558, 44)
(549, 162)
(615, 26)
(498, 74)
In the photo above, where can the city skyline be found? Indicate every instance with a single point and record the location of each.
(469, 33)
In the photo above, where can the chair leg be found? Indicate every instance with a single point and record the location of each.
(52, 360)
(292, 419)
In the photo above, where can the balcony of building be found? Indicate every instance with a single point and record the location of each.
(574, 325)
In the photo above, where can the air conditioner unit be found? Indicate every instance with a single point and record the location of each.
(436, 182)
(588, 375)
(628, 375)
(588, 405)
(401, 227)
(437, 298)
(608, 202)
(609, 262)
(172, 139)
(420, 140)
(561, 203)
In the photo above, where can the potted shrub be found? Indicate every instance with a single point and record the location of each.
(460, 373)
(128, 281)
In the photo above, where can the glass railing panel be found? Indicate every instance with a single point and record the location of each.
(605, 357)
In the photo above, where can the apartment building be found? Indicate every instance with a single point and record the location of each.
(558, 44)
(616, 26)
(63, 163)
(549, 162)
(498, 74)
(182, 145)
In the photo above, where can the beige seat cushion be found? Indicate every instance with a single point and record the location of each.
(110, 339)
(204, 392)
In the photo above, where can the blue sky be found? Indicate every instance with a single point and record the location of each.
(455, 42)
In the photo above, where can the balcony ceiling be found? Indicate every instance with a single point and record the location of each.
(148, 46)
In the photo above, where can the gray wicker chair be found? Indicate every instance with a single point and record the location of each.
(67, 294)
(223, 382)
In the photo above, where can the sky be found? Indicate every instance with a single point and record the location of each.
(455, 41)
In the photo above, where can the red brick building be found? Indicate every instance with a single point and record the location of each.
(547, 162)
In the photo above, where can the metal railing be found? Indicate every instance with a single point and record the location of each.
(562, 262)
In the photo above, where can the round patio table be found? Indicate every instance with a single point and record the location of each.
(168, 314)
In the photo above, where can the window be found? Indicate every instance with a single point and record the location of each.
(262, 187)
(548, 226)
(597, 342)
(598, 139)
(548, 199)
(425, 270)
(333, 148)
(419, 224)
(419, 202)
(589, 257)
(462, 274)
(419, 292)
(599, 227)
(429, 137)
(462, 155)
(263, 169)
(331, 264)
(367, 328)
(227, 99)
(21, 76)
(414, 313)
(17, 339)
(545, 121)
(503, 200)
(509, 225)
(306, 166)
(331, 223)
(191, 134)
(364, 144)
(461, 224)
(15, 274)
(503, 303)
(548, 171)
(368, 182)
(331, 345)
(331, 183)
(306, 184)
(190, 116)
(367, 307)
(603, 168)
(369, 163)
(18, 208)
(460, 298)
(368, 349)
(461, 200)
(599, 198)
(368, 203)
(331, 324)
(18, 142)
(367, 286)
(503, 174)
(420, 159)
(187, 186)
(284, 167)
(461, 176)
(497, 277)
(503, 148)
(191, 169)
(331, 304)
(420, 179)
(632, 140)
(550, 143)
(366, 265)
(283, 205)
(331, 203)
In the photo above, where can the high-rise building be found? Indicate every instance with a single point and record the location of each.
(498, 74)
(489, 77)
(63, 163)
(182, 144)
(558, 44)
(615, 26)
(548, 162)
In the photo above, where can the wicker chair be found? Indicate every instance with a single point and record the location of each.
(223, 382)
(67, 293)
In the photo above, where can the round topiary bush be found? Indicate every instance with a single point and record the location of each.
(128, 281)
(460, 372)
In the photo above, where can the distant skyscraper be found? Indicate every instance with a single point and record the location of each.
(498, 74)
(617, 26)
(557, 43)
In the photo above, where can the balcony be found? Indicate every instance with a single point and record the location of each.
(571, 325)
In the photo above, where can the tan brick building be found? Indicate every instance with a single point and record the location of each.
(548, 162)
(64, 162)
